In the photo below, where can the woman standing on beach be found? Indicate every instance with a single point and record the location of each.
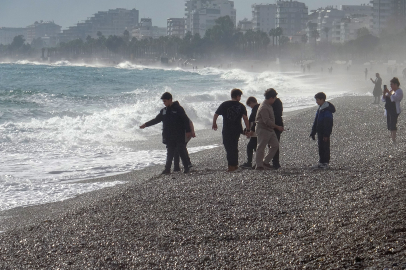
(392, 101)
(378, 88)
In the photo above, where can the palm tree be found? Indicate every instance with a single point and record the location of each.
(272, 33)
(278, 33)
(315, 34)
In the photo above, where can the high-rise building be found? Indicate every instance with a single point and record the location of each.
(202, 14)
(146, 30)
(327, 22)
(388, 13)
(264, 17)
(111, 22)
(42, 30)
(7, 34)
(291, 16)
(176, 27)
(245, 25)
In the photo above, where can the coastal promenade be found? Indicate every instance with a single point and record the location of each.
(351, 216)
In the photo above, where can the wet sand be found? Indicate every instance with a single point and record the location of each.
(351, 216)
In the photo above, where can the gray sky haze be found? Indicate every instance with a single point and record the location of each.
(21, 13)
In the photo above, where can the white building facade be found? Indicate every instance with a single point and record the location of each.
(202, 14)
(176, 27)
(386, 10)
(264, 17)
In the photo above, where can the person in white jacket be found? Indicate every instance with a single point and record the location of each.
(392, 101)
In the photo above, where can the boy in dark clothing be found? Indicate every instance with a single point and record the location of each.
(252, 144)
(232, 112)
(323, 126)
(278, 111)
(175, 126)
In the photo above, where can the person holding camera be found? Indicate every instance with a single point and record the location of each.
(392, 101)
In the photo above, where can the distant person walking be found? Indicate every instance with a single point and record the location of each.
(252, 144)
(265, 130)
(232, 111)
(392, 101)
(176, 127)
(378, 88)
(323, 127)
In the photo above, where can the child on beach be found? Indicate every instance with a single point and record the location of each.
(323, 126)
(232, 112)
(392, 101)
(252, 144)
(175, 125)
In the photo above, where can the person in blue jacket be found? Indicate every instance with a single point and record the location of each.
(323, 126)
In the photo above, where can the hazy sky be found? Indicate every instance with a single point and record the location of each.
(21, 13)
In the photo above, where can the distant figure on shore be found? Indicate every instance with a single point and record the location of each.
(366, 73)
(265, 130)
(323, 127)
(232, 112)
(392, 101)
(176, 127)
(252, 144)
(378, 88)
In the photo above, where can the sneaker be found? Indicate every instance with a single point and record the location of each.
(177, 169)
(318, 166)
(166, 171)
(323, 166)
(276, 166)
(190, 165)
(267, 166)
(246, 165)
(186, 169)
(232, 168)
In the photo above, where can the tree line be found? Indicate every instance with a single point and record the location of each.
(223, 41)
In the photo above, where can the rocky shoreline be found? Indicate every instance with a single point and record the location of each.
(351, 216)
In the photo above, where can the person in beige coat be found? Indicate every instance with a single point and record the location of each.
(266, 135)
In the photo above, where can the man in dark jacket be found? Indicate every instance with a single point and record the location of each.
(252, 144)
(278, 111)
(323, 126)
(175, 126)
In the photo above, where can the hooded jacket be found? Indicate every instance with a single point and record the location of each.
(323, 123)
(175, 123)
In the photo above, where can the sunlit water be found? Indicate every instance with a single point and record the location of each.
(60, 123)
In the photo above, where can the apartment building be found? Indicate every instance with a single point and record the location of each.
(176, 27)
(388, 13)
(245, 25)
(201, 14)
(44, 30)
(7, 34)
(291, 16)
(111, 22)
(264, 17)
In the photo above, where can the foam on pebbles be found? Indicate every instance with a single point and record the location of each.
(351, 216)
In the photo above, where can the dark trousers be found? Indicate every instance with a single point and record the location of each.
(324, 149)
(275, 160)
(176, 159)
(171, 149)
(251, 147)
(230, 141)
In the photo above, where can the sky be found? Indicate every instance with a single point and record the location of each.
(21, 13)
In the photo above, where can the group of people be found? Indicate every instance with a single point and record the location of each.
(264, 128)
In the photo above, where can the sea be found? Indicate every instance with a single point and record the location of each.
(63, 123)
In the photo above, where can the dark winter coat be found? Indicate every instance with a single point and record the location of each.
(175, 123)
(323, 122)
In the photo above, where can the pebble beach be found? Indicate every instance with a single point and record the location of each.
(351, 216)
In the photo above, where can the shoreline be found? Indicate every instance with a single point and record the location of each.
(351, 216)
